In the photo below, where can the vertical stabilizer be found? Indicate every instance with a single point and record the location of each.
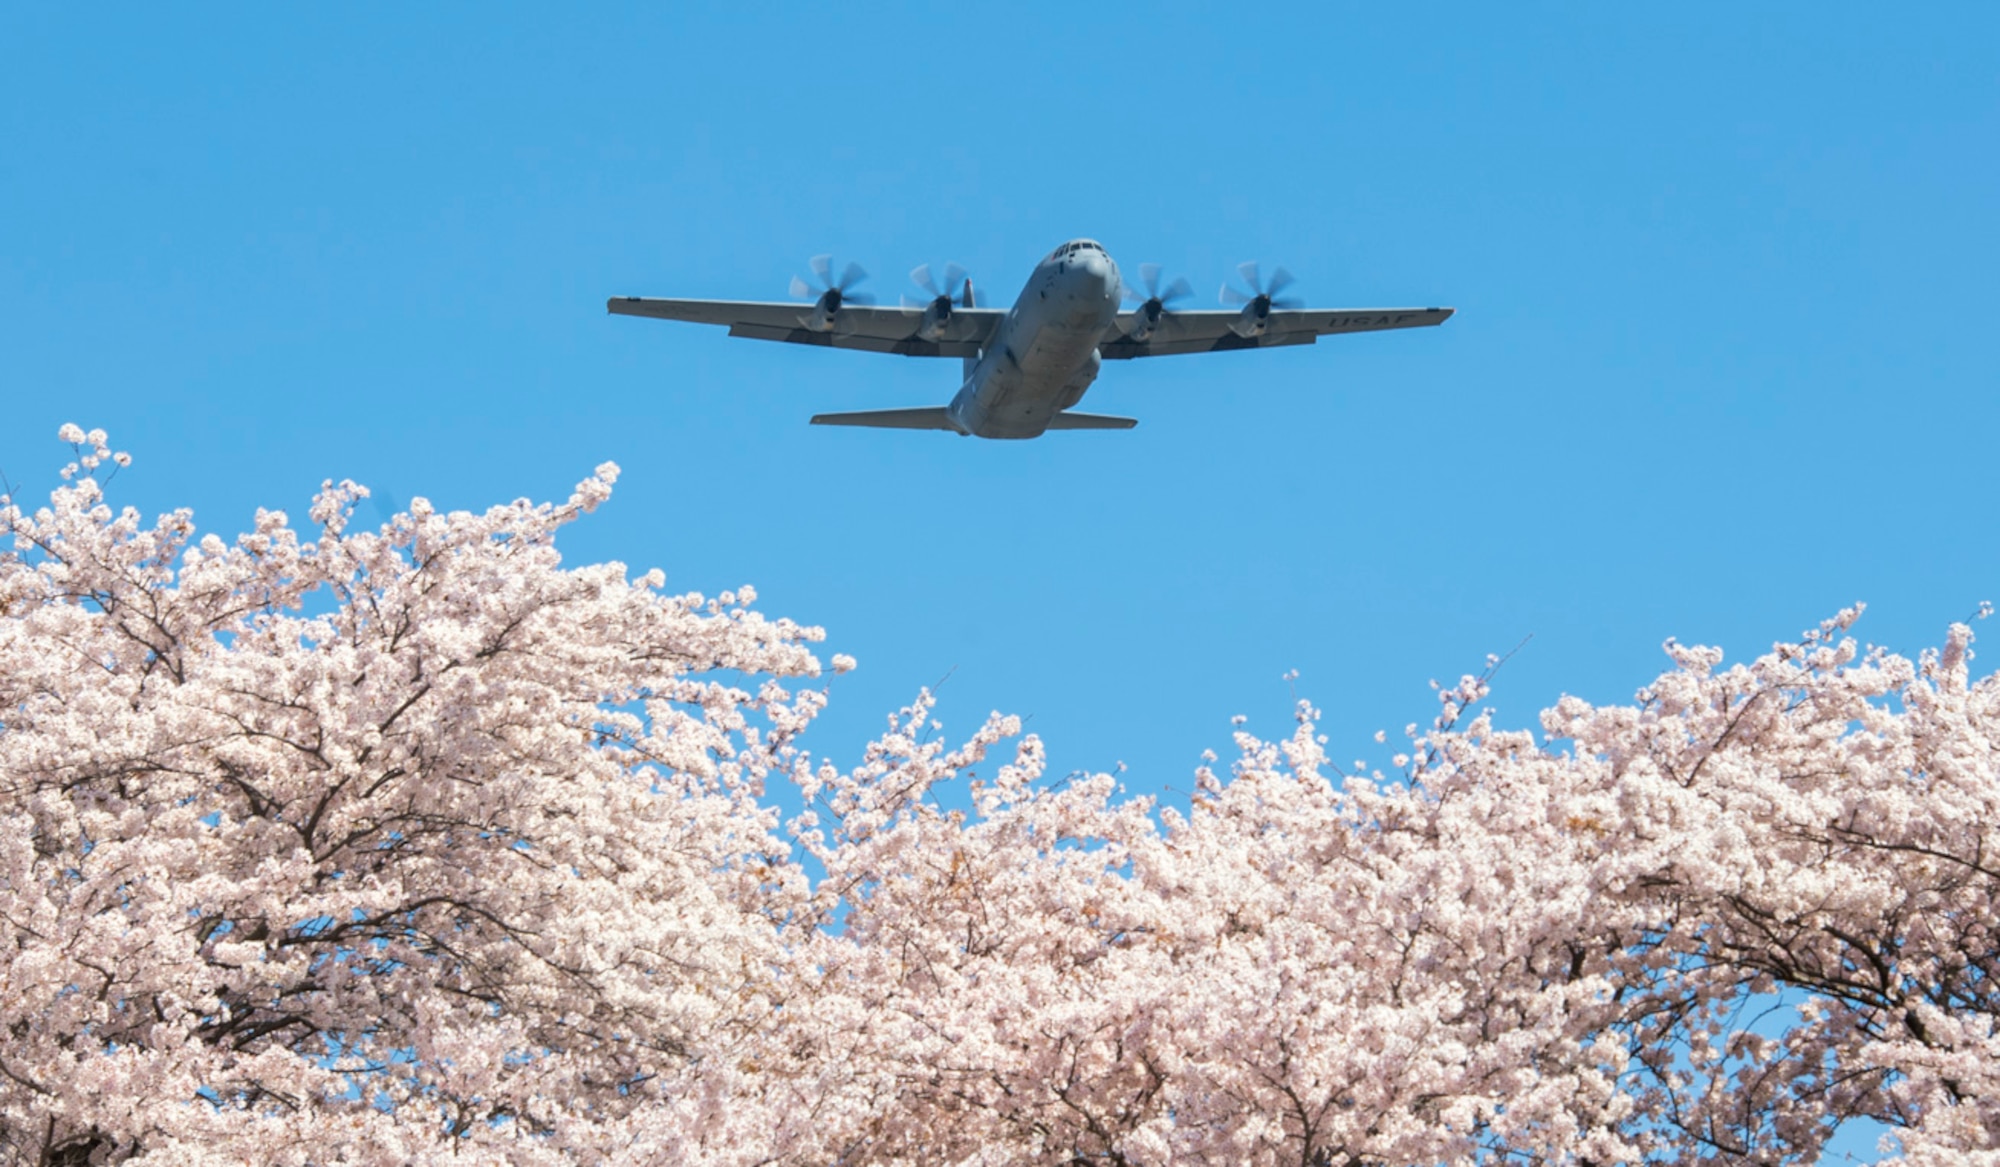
(971, 362)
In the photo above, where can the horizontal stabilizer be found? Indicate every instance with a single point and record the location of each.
(1091, 421)
(933, 418)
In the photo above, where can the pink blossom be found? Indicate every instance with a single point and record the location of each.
(388, 845)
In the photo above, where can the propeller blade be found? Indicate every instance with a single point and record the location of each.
(954, 278)
(920, 275)
(1234, 298)
(861, 298)
(801, 290)
(822, 266)
(852, 275)
(1287, 302)
(1280, 280)
(1248, 270)
(1179, 289)
(1149, 274)
(910, 301)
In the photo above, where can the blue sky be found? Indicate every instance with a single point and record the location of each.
(1723, 361)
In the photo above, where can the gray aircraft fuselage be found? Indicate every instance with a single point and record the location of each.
(1043, 356)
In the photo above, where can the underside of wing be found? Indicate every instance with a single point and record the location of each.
(1215, 332)
(862, 327)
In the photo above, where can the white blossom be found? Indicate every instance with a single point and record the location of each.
(388, 846)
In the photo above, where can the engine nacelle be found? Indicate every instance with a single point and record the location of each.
(831, 293)
(1253, 320)
(1146, 320)
(937, 301)
(937, 318)
(825, 309)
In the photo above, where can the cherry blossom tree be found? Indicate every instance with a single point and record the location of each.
(375, 845)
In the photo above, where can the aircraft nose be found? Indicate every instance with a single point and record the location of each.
(1099, 270)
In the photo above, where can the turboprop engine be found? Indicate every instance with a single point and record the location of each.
(1258, 302)
(830, 294)
(1152, 312)
(937, 302)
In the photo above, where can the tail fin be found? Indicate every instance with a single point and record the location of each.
(971, 362)
(1091, 421)
(933, 418)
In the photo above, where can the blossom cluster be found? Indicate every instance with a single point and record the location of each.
(372, 845)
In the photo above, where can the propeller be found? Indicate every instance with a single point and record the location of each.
(1153, 301)
(952, 294)
(938, 303)
(830, 294)
(1261, 297)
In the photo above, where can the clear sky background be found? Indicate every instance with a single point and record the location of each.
(1724, 359)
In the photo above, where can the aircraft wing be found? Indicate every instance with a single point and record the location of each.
(1210, 332)
(855, 326)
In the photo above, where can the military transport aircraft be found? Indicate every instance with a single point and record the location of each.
(1027, 365)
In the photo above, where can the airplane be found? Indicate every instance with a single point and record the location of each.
(1025, 367)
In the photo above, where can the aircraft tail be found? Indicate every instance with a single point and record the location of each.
(1091, 421)
(933, 418)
